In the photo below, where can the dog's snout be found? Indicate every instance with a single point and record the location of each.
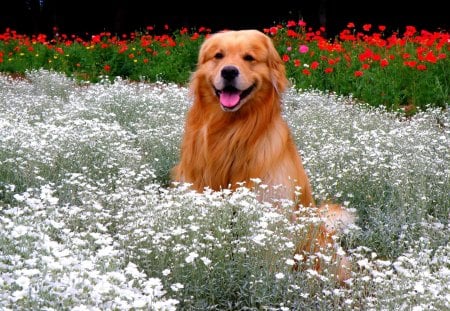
(229, 72)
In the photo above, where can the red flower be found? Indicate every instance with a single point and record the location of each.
(291, 33)
(421, 67)
(358, 73)
(411, 63)
(430, 57)
(273, 31)
(410, 31)
(314, 65)
(381, 28)
(183, 30)
(328, 70)
(285, 58)
(291, 24)
(384, 62)
(367, 27)
(107, 68)
(297, 62)
(96, 39)
(306, 72)
(351, 25)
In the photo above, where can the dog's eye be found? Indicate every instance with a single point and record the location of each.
(218, 56)
(248, 57)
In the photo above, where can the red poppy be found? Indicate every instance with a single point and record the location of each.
(314, 65)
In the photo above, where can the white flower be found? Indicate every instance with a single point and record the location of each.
(259, 238)
(418, 287)
(298, 257)
(290, 262)
(139, 303)
(279, 276)
(206, 261)
(176, 287)
(132, 269)
(18, 231)
(289, 244)
(23, 282)
(166, 272)
(191, 257)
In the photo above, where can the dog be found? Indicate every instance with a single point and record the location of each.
(235, 134)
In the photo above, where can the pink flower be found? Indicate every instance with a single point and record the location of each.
(303, 49)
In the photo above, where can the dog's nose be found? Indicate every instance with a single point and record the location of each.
(229, 72)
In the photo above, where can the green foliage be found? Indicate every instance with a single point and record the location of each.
(402, 72)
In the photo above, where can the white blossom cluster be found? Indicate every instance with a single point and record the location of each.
(88, 220)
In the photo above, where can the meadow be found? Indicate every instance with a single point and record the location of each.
(88, 220)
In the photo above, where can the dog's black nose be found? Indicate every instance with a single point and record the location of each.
(229, 72)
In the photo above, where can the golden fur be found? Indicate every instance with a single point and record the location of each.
(234, 131)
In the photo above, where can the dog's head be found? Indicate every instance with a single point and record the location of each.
(236, 67)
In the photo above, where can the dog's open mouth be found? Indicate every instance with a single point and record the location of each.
(230, 97)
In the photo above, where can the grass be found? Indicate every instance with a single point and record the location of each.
(88, 220)
(402, 70)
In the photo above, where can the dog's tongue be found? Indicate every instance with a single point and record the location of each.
(229, 99)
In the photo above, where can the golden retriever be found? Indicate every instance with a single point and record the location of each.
(235, 133)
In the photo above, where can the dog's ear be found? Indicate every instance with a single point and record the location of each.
(204, 47)
(278, 70)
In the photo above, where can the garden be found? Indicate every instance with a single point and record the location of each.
(90, 128)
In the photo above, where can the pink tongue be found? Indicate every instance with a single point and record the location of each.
(229, 99)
